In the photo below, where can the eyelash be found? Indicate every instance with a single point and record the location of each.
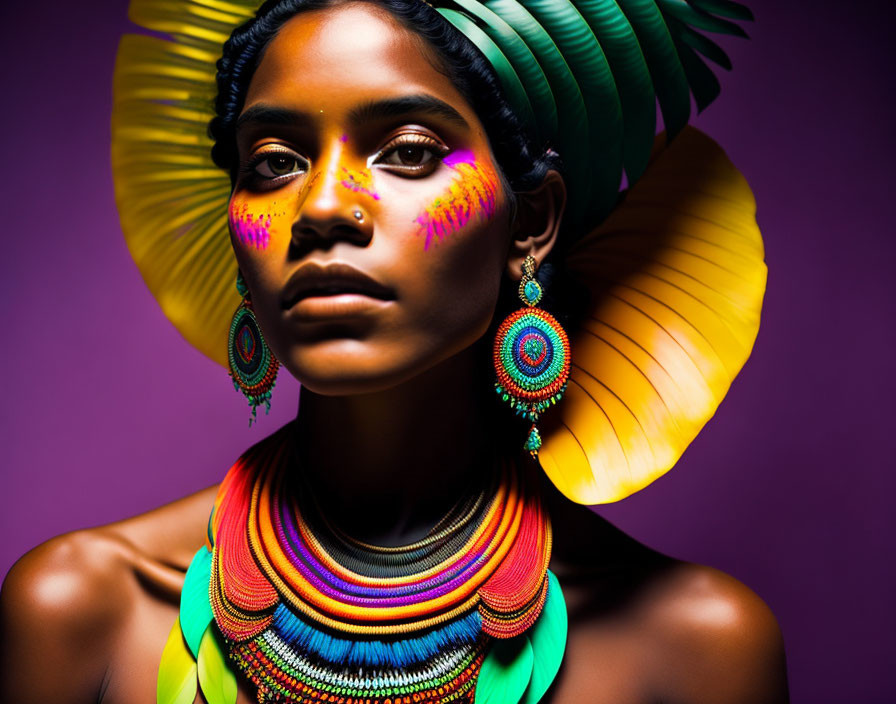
(249, 169)
(438, 150)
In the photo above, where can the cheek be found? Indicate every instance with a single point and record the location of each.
(456, 283)
(252, 225)
(471, 196)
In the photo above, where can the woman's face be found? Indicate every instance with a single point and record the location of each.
(368, 217)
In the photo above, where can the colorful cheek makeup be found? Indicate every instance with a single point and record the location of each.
(248, 228)
(473, 191)
(360, 181)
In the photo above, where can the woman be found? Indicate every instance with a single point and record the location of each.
(388, 194)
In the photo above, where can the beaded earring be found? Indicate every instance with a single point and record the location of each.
(531, 357)
(253, 366)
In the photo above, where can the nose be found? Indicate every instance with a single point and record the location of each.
(331, 212)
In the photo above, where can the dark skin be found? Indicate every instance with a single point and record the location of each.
(85, 615)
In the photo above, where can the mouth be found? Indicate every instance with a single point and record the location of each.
(335, 289)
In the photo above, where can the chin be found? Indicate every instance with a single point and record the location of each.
(350, 367)
(348, 383)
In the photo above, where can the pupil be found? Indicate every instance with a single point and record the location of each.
(410, 155)
(281, 164)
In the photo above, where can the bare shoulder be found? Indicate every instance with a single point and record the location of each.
(171, 533)
(63, 603)
(644, 627)
(71, 601)
(713, 638)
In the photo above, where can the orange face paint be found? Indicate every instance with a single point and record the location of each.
(249, 229)
(359, 180)
(473, 192)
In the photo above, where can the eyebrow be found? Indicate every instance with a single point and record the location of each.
(395, 107)
(365, 112)
(269, 115)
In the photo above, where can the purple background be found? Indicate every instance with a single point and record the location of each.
(790, 488)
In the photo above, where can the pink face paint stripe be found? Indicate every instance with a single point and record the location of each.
(461, 156)
(473, 190)
(249, 229)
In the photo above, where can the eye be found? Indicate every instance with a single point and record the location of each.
(409, 155)
(414, 154)
(278, 164)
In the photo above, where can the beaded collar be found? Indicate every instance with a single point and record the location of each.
(309, 614)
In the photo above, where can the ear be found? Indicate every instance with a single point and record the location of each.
(537, 223)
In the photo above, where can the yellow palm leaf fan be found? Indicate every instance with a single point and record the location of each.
(171, 197)
(676, 276)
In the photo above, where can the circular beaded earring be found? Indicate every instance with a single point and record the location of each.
(531, 356)
(253, 366)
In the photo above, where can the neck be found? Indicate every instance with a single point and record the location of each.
(387, 466)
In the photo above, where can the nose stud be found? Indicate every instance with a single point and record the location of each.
(359, 216)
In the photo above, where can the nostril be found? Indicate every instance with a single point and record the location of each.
(344, 228)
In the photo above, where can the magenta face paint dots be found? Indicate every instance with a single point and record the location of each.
(248, 228)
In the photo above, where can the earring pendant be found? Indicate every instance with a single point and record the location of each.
(253, 367)
(531, 357)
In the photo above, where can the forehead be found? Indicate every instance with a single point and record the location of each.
(333, 58)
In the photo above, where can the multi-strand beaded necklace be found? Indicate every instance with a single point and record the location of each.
(309, 614)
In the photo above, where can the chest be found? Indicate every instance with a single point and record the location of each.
(603, 664)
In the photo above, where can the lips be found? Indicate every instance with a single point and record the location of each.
(313, 280)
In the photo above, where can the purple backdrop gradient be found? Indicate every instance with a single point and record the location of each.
(789, 488)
